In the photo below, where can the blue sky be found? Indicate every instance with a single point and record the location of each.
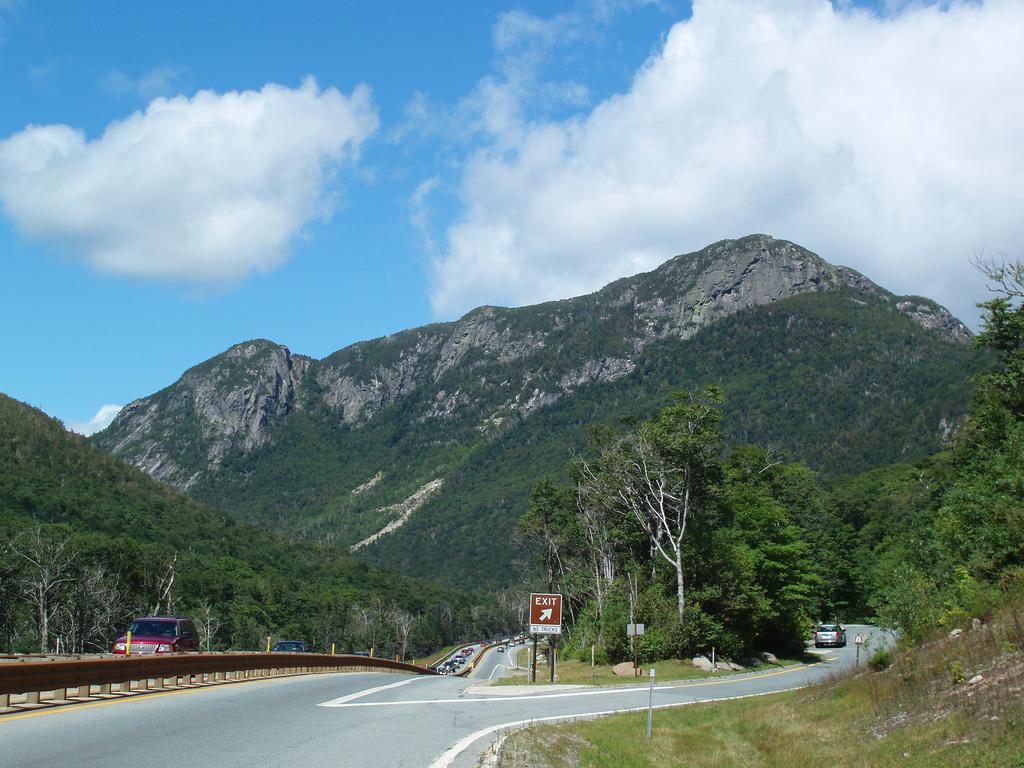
(177, 179)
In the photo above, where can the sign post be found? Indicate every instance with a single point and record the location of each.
(545, 619)
(858, 641)
(633, 630)
(650, 706)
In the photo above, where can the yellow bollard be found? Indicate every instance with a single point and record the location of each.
(128, 644)
(332, 649)
(371, 652)
(268, 643)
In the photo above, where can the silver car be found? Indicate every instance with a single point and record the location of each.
(833, 635)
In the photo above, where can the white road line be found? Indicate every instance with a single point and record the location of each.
(639, 689)
(445, 760)
(496, 668)
(483, 699)
(343, 700)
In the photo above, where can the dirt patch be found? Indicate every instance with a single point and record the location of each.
(541, 748)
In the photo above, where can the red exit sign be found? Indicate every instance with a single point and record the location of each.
(545, 613)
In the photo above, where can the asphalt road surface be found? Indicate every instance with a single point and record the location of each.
(368, 720)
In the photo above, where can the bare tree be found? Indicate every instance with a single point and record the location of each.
(596, 517)
(164, 595)
(665, 471)
(370, 620)
(403, 622)
(94, 606)
(1007, 276)
(208, 624)
(46, 560)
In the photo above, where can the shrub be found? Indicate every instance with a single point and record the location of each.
(880, 660)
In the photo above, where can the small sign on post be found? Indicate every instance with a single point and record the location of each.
(858, 641)
(632, 632)
(650, 706)
(545, 614)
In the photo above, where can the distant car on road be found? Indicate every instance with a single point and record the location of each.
(289, 646)
(159, 634)
(831, 635)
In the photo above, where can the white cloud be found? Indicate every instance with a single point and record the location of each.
(890, 144)
(159, 81)
(201, 189)
(419, 214)
(100, 421)
(495, 107)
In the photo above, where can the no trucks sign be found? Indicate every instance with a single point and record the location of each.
(545, 614)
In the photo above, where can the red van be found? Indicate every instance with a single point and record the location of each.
(160, 634)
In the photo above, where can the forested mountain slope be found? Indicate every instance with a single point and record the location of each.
(117, 543)
(438, 432)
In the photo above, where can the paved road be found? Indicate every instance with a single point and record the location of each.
(494, 665)
(349, 719)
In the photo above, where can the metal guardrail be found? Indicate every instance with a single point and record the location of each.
(451, 654)
(136, 674)
(476, 659)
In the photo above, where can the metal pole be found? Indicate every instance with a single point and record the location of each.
(552, 646)
(714, 664)
(636, 664)
(533, 674)
(650, 706)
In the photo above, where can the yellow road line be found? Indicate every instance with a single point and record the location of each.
(78, 706)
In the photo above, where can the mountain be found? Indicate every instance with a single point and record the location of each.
(402, 445)
(124, 529)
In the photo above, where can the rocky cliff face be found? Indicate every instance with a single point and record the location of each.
(232, 402)
(677, 300)
(490, 368)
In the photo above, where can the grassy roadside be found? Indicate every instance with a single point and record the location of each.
(436, 656)
(956, 702)
(571, 672)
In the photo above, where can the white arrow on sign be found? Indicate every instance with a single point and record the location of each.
(545, 615)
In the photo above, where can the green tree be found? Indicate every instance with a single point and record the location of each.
(981, 519)
(547, 526)
(666, 471)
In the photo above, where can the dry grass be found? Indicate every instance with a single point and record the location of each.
(923, 712)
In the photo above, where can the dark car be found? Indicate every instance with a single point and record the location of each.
(289, 646)
(830, 634)
(159, 634)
